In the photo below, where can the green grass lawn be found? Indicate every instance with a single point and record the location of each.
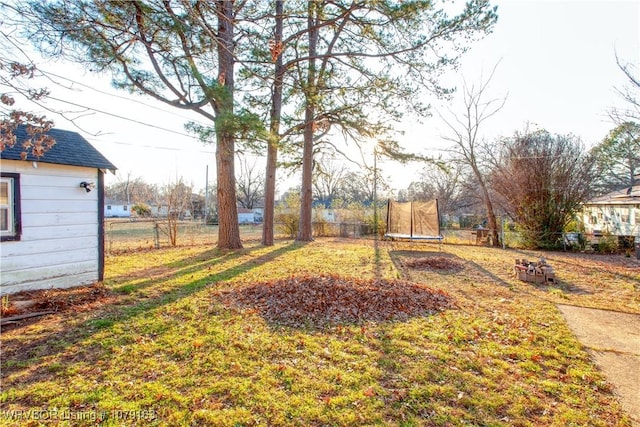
(166, 347)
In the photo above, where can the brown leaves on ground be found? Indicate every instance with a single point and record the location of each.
(73, 299)
(435, 263)
(329, 299)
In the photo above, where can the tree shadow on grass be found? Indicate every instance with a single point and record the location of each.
(577, 265)
(19, 355)
(377, 260)
(119, 290)
(563, 286)
(195, 262)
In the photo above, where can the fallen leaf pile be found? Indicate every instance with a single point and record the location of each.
(330, 299)
(435, 263)
(73, 299)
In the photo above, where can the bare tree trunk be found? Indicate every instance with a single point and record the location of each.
(229, 229)
(491, 216)
(274, 130)
(488, 205)
(305, 232)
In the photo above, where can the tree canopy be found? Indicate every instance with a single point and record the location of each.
(321, 68)
(164, 50)
(617, 158)
(368, 62)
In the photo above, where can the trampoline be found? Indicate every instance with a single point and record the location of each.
(414, 221)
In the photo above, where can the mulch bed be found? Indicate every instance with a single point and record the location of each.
(435, 263)
(331, 299)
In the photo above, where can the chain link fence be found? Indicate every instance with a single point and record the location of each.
(568, 241)
(122, 235)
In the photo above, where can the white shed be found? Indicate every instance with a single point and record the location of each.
(51, 220)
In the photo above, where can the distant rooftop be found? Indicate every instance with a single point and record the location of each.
(630, 195)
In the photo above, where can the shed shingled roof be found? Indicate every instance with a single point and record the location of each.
(70, 149)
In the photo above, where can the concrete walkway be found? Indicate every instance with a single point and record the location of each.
(613, 339)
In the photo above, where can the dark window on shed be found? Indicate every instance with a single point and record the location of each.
(10, 215)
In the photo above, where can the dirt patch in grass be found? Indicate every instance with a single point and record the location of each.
(331, 299)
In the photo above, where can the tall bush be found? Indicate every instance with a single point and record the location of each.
(542, 180)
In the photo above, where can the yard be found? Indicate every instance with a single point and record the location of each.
(333, 332)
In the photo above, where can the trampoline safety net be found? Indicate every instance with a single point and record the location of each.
(413, 220)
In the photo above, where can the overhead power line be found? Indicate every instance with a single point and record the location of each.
(154, 147)
(75, 104)
(159, 147)
(52, 76)
(137, 101)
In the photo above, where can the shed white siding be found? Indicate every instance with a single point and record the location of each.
(58, 247)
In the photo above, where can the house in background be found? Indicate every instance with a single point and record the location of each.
(159, 211)
(116, 209)
(616, 213)
(245, 216)
(51, 215)
(258, 213)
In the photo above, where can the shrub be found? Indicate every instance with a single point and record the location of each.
(141, 210)
(608, 244)
(370, 223)
(321, 227)
(287, 224)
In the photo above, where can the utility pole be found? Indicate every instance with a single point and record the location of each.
(375, 192)
(206, 195)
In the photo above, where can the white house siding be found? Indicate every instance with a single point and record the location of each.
(112, 210)
(618, 220)
(246, 217)
(58, 247)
